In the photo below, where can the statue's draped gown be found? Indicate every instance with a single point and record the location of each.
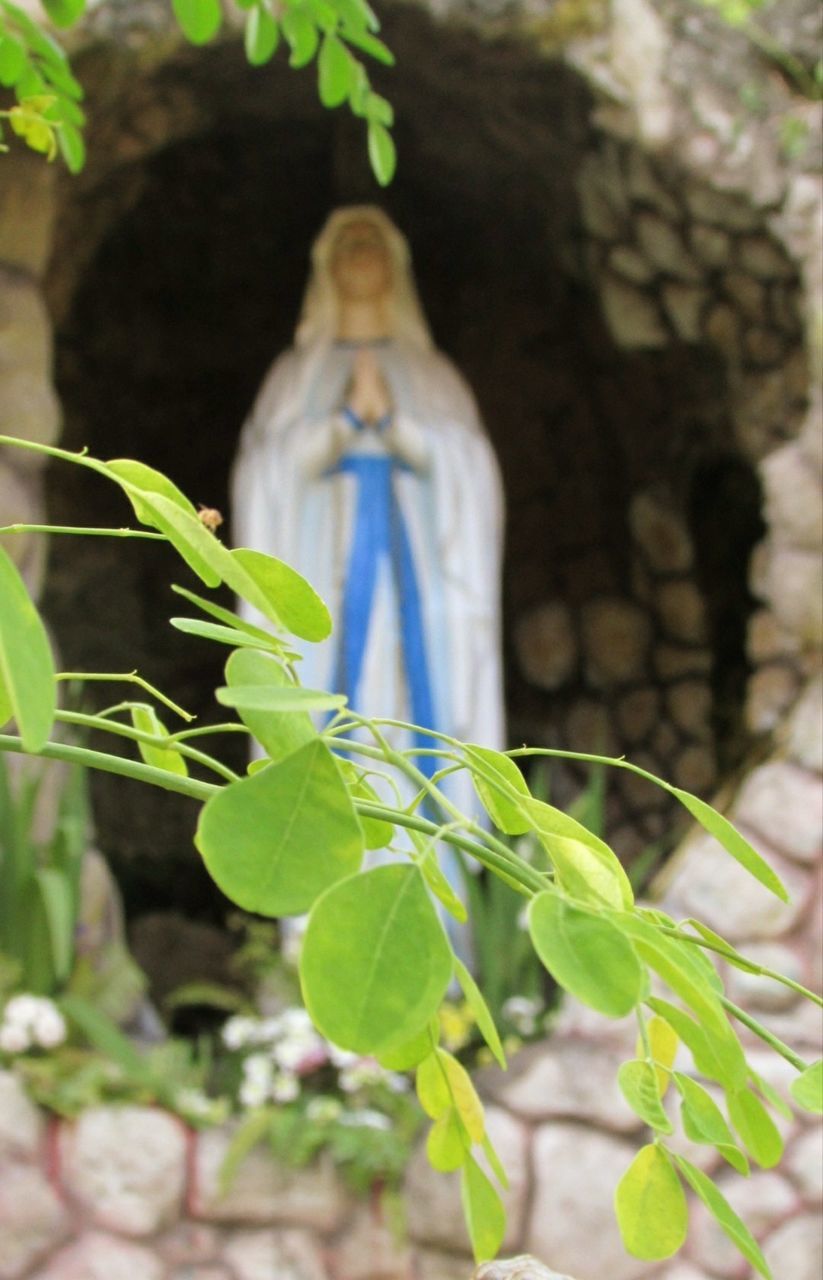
(398, 528)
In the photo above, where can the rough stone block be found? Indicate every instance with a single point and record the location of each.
(704, 881)
(522, 1268)
(804, 734)
(435, 1213)
(627, 262)
(261, 1255)
(21, 1124)
(685, 305)
(795, 1250)
(753, 991)
(682, 611)
(546, 645)
(431, 1264)
(664, 247)
(711, 245)
(27, 210)
(761, 1201)
(660, 532)
(97, 1256)
(804, 1164)
(370, 1250)
(769, 693)
(793, 498)
(264, 1191)
(784, 804)
(572, 1215)
(568, 1079)
(33, 1219)
(616, 640)
(126, 1167)
(632, 316)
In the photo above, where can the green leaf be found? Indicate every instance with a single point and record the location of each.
(105, 1035)
(27, 677)
(586, 954)
(274, 841)
(375, 962)
(733, 842)
(444, 1084)
(64, 13)
(482, 1012)
(720, 1058)
(638, 1084)
(382, 153)
(724, 1215)
(199, 19)
(297, 605)
(262, 36)
(58, 906)
(362, 40)
(301, 35)
(663, 1043)
(145, 718)
(676, 964)
(651, 1206)
(146, 480)
(483, 1210)
(379, 109)
(38, 40)
(704, 1122)
(495, 776)
(408, 1054)
(586, 867)
(807, 1088)
(72, 146)
(438, 882)
(13, 60)
(278, 732)
(285, 697)
(377, 833)
(231, 620)
(446, 1147)
(158, 502)
(334, 72)
(222, 635)
(759, 1133)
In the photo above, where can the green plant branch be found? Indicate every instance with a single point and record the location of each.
(128, 677)
(106, 725)
(504, 855)
(764, 1034)
(90, 533)
(134, 769)
(730, 955)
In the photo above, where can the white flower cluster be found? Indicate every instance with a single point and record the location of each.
(286, 1048)
(523, 1012)
(31, 1022)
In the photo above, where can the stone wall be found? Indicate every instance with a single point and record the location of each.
(697, 237)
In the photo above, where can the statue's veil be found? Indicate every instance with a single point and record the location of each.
(318, 314)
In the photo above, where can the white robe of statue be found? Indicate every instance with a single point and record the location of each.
(291, 499)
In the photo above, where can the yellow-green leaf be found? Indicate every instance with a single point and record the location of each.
(651, 1206)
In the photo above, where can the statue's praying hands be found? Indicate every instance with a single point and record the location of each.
(369, 398)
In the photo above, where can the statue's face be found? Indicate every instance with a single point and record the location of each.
(360, 263)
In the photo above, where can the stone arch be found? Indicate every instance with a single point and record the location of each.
(681, 253)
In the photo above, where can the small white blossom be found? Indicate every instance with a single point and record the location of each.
(21, 1011)
(523, 1013)
(238, 1032)
(342, 1057)
(49, 1026)
(323, 1109)
(259, 1068)
(14, 1039)
(365, 1119)
(253, 1093)
(285, 1087)
(360, 1074)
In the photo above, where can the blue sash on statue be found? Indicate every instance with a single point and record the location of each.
(380, 534)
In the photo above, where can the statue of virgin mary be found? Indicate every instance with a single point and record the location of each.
(364, 465)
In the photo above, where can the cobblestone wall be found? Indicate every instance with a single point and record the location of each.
(698, 232)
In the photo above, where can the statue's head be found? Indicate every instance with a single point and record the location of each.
(361, 256)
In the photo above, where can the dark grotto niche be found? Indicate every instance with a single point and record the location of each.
(196, 289)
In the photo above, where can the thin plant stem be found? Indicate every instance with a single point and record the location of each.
(764, 1034)
(87, 533)
(134, 769)
(106, 725)
(729, 954)
(129, 677)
